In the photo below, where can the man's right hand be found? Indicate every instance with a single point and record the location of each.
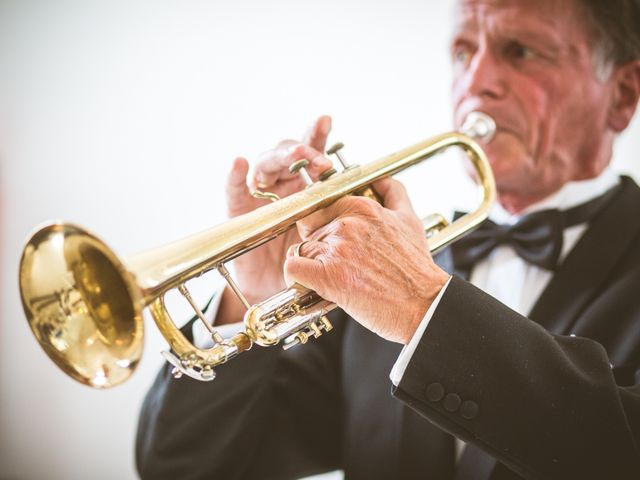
(259, 273)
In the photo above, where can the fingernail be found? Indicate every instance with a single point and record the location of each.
(259, 179)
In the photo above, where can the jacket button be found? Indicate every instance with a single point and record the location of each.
(452, 402)
(435, 392)
(469, 409)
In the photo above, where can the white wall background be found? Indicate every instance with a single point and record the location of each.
(124, 117)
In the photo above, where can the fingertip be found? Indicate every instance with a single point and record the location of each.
(240, 164)
(393, 192)
(382, 186)
(259, 180)
(239, 170)
(320, 164)
(299, 270)
(324, 125)
(317, 161)
(317, 134)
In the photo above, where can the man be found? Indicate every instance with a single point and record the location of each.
(555, 395)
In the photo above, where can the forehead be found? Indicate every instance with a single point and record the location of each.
(563, 19)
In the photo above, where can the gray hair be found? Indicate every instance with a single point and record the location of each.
(615, 27)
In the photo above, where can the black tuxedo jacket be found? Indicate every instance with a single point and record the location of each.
(553, 396)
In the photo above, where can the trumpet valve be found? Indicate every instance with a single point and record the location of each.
(299, 338)
(327, 174)
(300, 167)
(326, 324)
(315, 329)
(335, 150)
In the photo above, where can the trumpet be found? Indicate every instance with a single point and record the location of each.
(85, 305)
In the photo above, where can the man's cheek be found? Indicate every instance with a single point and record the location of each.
(506, 150)
(541, 108)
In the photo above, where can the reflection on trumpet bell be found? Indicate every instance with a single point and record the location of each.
(84, 304)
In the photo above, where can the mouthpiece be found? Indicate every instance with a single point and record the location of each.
(479, 126)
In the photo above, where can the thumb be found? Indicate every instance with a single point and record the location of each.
(394, 195)
(237, 190)
(305, 271)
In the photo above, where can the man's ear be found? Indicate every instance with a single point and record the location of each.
(626, 84)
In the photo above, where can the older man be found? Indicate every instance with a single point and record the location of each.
(538, 375)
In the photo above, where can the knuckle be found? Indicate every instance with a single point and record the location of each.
(302, 151)
(266, 156)
(341, 249)
(367, 207)
(305, 226)
(350, 204)
(396, 183)
(349, 228)
(286, 144)
(345, 224)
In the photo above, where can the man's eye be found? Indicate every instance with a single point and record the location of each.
(517, 51)
(461, 55)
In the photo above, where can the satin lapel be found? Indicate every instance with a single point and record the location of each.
(586, 268)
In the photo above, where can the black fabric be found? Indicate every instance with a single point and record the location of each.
(474, 463)
(536, 237)
(548, 405)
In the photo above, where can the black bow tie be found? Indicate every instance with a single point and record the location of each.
(537, 238)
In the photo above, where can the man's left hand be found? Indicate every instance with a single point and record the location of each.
(370, 260)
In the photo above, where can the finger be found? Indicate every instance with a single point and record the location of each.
(270, 164)
(394, 195)
(308, 249)
(318, 219)
(274, 166)
(316, 135)
(318, 163)
(305, 271)
(237, 188)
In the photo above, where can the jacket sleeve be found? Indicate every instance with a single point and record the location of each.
(268, 414)
(546, 406)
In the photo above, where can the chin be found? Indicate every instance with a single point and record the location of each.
(510, 164)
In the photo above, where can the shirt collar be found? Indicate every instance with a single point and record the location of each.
(570, 194)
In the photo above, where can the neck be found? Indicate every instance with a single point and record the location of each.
(565, 195)
(514, 202)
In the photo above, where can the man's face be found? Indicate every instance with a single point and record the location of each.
(530, 66)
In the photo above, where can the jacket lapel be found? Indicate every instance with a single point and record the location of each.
(585, 270)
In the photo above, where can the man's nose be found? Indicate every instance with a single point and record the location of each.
(485, 76)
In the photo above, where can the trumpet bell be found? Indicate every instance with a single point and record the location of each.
(82, 305)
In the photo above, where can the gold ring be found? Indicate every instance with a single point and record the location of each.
(296, 250)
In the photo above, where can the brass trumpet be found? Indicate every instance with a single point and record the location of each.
(84, 304)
